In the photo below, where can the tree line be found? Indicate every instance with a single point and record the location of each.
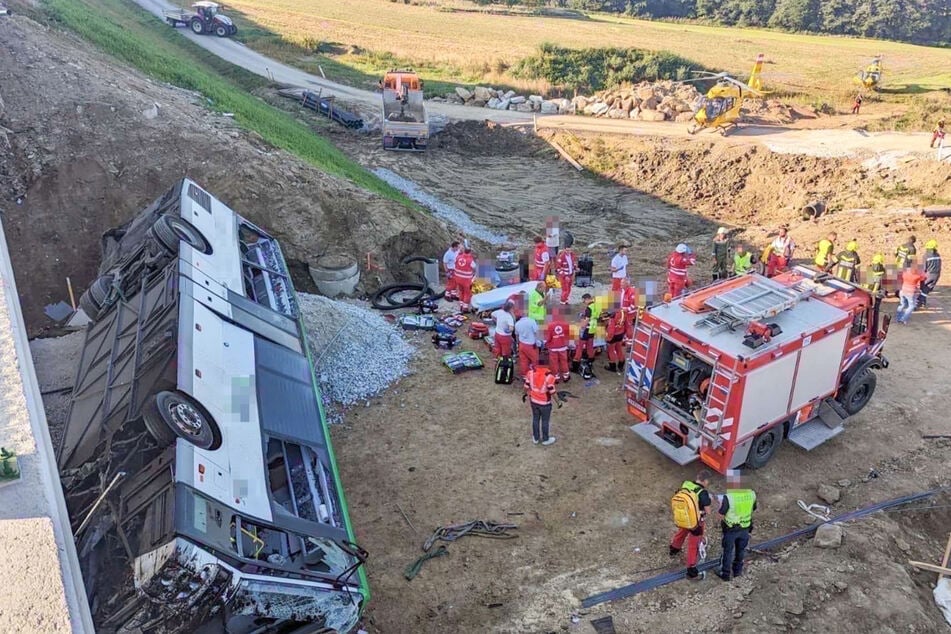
(918, 21)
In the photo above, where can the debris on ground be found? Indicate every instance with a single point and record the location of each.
(828, 493)
(828, 536)
(413, 569)
(357, 353)
(475, 528)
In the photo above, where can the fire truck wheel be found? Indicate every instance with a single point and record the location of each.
(859, 392)
(763, 447)
(173, 415)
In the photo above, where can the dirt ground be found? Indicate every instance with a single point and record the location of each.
(593, 509)
(86, 143)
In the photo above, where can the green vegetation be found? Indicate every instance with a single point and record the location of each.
(919, 21)
(597, 68)
(136, 37)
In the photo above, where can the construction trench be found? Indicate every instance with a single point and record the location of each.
(437, 449)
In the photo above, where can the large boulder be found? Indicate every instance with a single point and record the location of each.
(476, 103)
(635, 113)
(504, 104)
(617, 113)
(649, 104)
(828, 536)
(493, 103)
(483, 93)
(580, 102)
(536, 99)
(600, 109)
(645, 92)
(508, 94)
(517, 99)
(652, 115)
(464, 94)
(565, 106)
(548, 107)
(525, 106)
(684, 117)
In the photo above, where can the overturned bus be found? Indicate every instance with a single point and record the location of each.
(196, 461)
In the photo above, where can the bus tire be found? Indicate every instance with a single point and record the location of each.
(93, 299)
(170, 231)
(171, 415)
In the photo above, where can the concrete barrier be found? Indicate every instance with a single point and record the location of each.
(42, 587)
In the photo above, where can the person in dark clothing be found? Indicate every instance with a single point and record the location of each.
(932, 266)
(736, 514)
(693, 537)
(721, 254)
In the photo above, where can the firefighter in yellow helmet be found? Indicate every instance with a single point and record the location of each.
(932, 266)
(876, 274)
(847, 262)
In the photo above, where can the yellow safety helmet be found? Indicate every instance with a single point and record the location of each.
(931, 244)
(878, 258)
(852, 246)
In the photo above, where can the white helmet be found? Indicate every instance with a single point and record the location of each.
(681, 248)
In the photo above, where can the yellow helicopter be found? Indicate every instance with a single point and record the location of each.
(871, 77)
(720, 107)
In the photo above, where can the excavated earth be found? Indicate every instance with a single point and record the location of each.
(82, 152)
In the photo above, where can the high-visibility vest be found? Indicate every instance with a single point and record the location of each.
(464, 268)
(541, 383)
(742, 263)
(740, 513)
(824, 253)
(535, 311)
(845, 269)
(595, 313)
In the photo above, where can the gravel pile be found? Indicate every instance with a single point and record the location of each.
(441, 210)
(357, 353)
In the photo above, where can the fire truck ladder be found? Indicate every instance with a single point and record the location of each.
(721, 386)
(760, 299)
(640, 348)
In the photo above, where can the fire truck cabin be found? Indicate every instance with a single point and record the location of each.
(727, 372)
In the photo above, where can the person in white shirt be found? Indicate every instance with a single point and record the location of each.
(552, 236)
(526, 332)
(780, 252)
(504, 329)
(618, 267)
(449, 266)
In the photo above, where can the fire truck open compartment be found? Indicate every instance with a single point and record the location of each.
(726, 373)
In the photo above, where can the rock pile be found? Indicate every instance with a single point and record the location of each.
(484, 97)
(357, 353)
(646, 101)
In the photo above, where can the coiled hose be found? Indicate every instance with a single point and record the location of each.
(384, 298)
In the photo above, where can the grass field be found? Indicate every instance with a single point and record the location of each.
(130, 34)
(476, 47)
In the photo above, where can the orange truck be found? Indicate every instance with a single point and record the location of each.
(405, 124)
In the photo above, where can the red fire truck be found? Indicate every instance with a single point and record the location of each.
(726, 373)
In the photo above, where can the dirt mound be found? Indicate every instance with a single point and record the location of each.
(775, 111)
(90, 142)
(482, 138)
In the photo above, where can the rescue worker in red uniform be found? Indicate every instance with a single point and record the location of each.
(464, 272)
(629, 301)
(677, 264)
(693, 537)
(566, 265)
(616, 331)
(557, 333)
(541, 260)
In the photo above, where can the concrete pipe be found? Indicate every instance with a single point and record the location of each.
(813, 210)
(335, 275)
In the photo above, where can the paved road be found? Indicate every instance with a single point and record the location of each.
(825, 142)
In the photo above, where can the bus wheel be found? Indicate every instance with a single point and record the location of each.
(764, 446)
(172, 415)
